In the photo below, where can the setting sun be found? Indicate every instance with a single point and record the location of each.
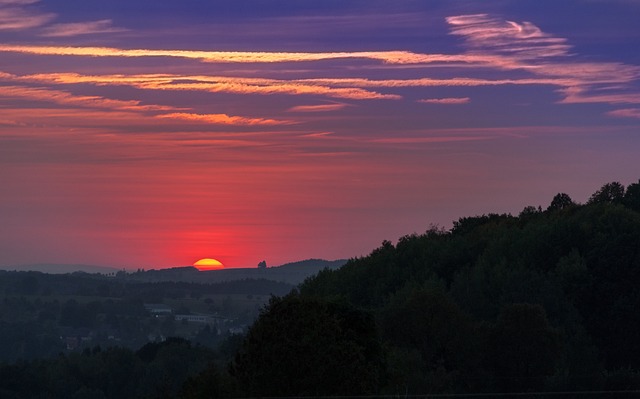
(208, 264)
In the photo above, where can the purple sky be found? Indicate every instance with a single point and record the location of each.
(151, 134)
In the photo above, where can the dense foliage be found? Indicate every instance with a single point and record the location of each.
(157, 370)
(547, 300)
(310, 348)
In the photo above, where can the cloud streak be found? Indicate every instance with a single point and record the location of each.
(526, 47)
(625, 113)
(521, 40)
(66, 98)
(213, 84)
(81, 28)
(450, 100)
(318, 108)
(97, 102)
(389, 57)
(15, 17)
(224, 119)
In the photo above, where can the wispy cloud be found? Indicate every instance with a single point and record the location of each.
(582, 95)
(524, 46)
(14, 16)
(318, 135)
(224, 119)
(449, 100)
(96, 102)
(212, 84)
(17, 2)
(534, 57)
(523, 40)
(391, 57)
(625, 113)
(66, 98)
(21, 15)
(318, 108)
(81, 28)
(573, 88)
(430, 139)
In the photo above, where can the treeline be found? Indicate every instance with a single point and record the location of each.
(156, 370)
(546, 301)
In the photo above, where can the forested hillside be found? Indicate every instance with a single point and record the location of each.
(545, 301)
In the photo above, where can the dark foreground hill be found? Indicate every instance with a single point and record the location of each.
(544, 301)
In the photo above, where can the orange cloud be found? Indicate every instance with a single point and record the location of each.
(63, 97)
(211, 84)
(390, 57)
(327, 86)
(224, 119)
(116, 107)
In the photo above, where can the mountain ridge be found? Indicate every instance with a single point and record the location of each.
(292, 272)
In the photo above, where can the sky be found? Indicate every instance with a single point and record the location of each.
(150, 134)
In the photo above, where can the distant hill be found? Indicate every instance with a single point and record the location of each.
(54, 268)
(291, 273)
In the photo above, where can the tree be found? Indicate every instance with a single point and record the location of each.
(308, 347)
(560, 201)
(433, 342)
(523, 348)
(609, 193)
(529, 211)
(632, 197)
(209, 384)
(431, 322)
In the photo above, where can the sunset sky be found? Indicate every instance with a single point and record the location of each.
(150, 134)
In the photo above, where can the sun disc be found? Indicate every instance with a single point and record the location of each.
(208, 264)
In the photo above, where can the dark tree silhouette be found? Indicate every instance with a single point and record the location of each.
(523, 347)
(609, 193)
(560, 201)
(632, 197)
(307, 347)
